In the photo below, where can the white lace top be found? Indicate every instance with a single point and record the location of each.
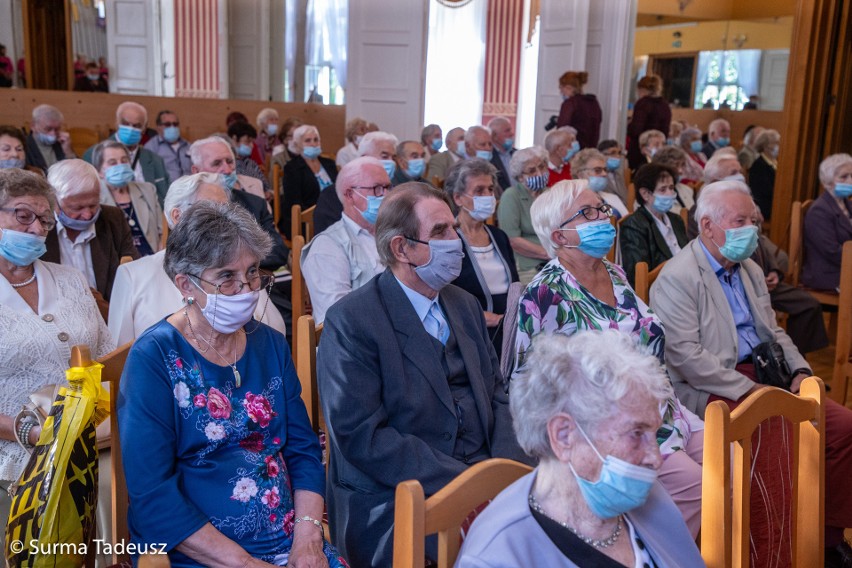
(35, 348)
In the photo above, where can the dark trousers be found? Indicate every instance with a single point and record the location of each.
(805, 324)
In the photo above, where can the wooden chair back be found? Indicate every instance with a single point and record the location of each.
(684, 215)
(843, 344)
(437, 182)
(631, 198)
(165, 236)
(610, 256)
(306, 367)
(113, 364)
(725, 501)
(797, 235)
(299, 290)
(416, 517)
(643, 280)
(83, 138)
(277, 173)
(302, 218)
(125, 259)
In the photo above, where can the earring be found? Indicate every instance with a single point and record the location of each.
(190, 300)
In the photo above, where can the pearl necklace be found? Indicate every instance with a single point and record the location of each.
(605, 543)
(26, 282)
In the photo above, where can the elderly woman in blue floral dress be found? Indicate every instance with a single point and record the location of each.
(220, 460)
(578, 290)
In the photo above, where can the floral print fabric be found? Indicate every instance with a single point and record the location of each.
(555, 302)
(239, 453)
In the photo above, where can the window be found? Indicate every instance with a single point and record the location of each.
(726, 78)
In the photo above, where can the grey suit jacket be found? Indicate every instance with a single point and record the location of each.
(701, 337)
(390, 411)
(439, 165)
(143, 196)
(507, 535)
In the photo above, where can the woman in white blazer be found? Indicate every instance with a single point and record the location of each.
(138, 200)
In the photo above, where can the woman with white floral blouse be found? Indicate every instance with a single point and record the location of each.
(577, 291)
(221, 463)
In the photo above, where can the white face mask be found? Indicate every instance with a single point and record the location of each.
(735, 177)
(483, 207)
(227, 314)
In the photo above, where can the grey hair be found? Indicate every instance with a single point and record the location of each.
(98, 154)
(645, 137)
(353, 174)
(687, 135)
(548, 210)
(498, 120)
(586, 376)
(752, 135)
(583, 157)
(524, 156)
(264, 115)
(471, 132)
(714, 168)
(15, 182)
(428, 131)
(371, 140)
(710, 202)
(766, 139)
(554, 138)
(294, 146)
(669, 156)
(130, 104)
(182, 192)
(396, 215)
(452, 131)
(717, 122)
(829, 166)
(459, 174)
(568, 129)
(47, 112)
(72, 177)
(196, 150)
(211, 235)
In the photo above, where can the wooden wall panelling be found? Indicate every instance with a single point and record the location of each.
(806, 103)
(838, 136)
(739, 120)
(200, 117)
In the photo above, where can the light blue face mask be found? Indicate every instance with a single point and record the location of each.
(740, 243)
(230, 179)
(621, 487)
(508, 143)
(119, 175)
(128, 135)
(695, 146)
(21, 249)
(390, 167)
(243, 150)
(575, 147)
(484, 155)
(663, 203)
(596, 237)
(444, 264)
(722, 142)
(171, 134)
(272, 129)
(46, 139)
(483, 207)
(436, 145)
(460, 149)
(843, 190)
(597, 183)
(613, 164)
(311, 152)
(77, 224)
(415, 168)
(371, 213)
(12, 163)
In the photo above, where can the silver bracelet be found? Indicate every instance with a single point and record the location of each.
(308, 519)
(24, 433)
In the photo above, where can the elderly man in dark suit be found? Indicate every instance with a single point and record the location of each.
(88, 236)
(503, 144)
(47, 143)
(409, 381)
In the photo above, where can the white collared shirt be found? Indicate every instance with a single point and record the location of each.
(77, 253)
(422, 305)
(665, 227)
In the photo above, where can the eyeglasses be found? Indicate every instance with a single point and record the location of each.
(231, 287)
(590, 213)
(27, 217)
(377, 190)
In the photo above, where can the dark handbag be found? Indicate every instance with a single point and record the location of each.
(771, 366)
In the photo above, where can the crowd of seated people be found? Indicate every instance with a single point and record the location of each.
(416, 245)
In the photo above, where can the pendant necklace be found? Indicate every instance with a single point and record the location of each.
(237, 377)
